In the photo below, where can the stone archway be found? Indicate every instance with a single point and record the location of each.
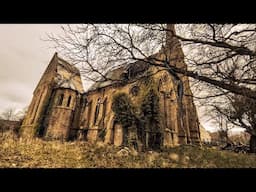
(116, 136)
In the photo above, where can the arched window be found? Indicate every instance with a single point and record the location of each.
(104, 111)
(69, 101)
(96, 111)
(60, 100)
(89, 110)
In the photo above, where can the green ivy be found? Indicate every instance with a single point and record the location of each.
(150, 111)
(123, 109)
(124, 113)
(147, 120)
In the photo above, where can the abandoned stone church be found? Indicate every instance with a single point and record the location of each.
(61, 109)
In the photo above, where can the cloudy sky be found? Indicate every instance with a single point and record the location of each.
(23, 58)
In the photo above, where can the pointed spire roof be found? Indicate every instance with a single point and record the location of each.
(171, 39)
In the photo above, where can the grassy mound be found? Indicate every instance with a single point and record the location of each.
(36, 153)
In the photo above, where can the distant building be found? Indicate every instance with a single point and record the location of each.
(205, 135)
(61, 109)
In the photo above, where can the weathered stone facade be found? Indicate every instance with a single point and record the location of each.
(53, 106)
(61, 109)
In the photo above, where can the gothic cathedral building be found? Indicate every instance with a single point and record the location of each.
(61, 109)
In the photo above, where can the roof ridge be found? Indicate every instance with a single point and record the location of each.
(67, 65)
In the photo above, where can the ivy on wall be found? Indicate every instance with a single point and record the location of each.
(142, 118)
(150, 111)
(123, 109)
(124, 113)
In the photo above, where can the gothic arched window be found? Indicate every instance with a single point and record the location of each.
(97, 110)
(89, 110)
(69, 101)
(60, 100)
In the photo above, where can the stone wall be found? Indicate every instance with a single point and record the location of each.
(41, 95)
(205, 135)
(58, 74)
(61, 114)
(168, 106)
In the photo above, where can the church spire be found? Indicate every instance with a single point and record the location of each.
(170, 36)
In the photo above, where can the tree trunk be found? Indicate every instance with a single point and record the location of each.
(253, 144)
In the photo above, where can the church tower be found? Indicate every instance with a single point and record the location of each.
(54, 100)
(189, 125)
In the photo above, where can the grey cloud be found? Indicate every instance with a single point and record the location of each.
(15, 92)
(23, 59)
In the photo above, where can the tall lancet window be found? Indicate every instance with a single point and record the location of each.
(60, 100)
(104, 111)
(69, 101)
(97, 110)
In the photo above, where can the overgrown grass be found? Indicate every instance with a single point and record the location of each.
(36, 153)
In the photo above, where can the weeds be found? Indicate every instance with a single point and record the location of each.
(36, 153)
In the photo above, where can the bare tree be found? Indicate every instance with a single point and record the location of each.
(241, 112)
(220, 58)
(13, 114)
(11, 119)
(9, 114)
(220, 55)
(224, 127)
(21, 114)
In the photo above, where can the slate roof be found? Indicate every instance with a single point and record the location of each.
(125, 73)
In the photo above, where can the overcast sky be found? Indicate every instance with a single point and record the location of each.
(24, 56)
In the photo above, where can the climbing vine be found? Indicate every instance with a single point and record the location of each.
(123, 109)
(150, 111)
(143, 118)
(124, 114)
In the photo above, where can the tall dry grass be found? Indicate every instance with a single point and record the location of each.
(36, 153)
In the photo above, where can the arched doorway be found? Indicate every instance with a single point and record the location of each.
(116, 137)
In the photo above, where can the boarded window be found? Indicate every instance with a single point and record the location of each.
(69, 101)
(60, 100)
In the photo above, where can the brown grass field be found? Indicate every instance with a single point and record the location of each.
(19, 153)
